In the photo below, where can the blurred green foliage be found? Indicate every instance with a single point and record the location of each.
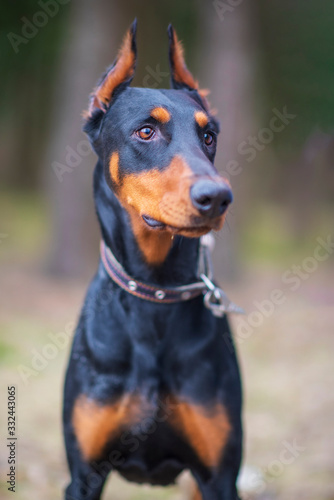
(26, 86)
(34, 60)
(24, 229)
(297, 40)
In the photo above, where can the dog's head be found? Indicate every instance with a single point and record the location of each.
(158, 146)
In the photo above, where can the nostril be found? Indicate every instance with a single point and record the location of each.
(204, 201)
(210, 198)
(227, 199)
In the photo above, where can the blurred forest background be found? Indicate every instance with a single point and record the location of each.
(270, 67)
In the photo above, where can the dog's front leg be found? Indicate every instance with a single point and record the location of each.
(87, 476)
(87, 480)
(221, 485)
(219, 489)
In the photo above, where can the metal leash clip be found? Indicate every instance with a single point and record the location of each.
(217, 301)
(215, 298)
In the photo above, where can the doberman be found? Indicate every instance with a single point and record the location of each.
(153, 386)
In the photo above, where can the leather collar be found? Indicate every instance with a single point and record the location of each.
(215, 298)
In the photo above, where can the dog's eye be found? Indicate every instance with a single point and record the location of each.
(145, 133)
(208, 138)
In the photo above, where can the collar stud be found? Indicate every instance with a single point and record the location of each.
(132, 285)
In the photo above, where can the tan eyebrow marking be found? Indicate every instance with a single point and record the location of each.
(160, 114)
(201, 118)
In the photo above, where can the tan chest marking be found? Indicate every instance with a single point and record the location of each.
(206, 429)
(197, 494)
(154, 245)
(94, 424)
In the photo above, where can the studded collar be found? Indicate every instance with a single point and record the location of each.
(214, 298)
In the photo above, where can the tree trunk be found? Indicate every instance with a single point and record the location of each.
(89, 47)
(228, 73)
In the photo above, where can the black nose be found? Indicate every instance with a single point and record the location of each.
(210, 198)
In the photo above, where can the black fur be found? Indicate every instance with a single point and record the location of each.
(124, 344)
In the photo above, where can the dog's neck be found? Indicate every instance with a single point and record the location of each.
(178, 268)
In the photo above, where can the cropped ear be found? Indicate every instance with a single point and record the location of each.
(181, 78)
(118, 76)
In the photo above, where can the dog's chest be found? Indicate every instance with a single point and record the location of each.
(160, 384)
(134, 422)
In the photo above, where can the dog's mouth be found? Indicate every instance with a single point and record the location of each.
(153, 223)
(195, 230)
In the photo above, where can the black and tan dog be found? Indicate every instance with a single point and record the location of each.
(152, 386)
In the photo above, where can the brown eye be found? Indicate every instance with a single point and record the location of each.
(145, 133)
(208, 138)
